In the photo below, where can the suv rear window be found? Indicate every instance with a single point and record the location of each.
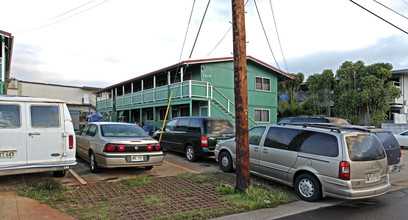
(219, 126)
(388, 140)
(364, 148)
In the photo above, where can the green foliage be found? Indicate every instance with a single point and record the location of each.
(138, 181)
(45, 191)
(193, 176)
(290, 86)
(364, 90)
(321, 86)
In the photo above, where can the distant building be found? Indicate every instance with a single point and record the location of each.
(80, 100)
(399, 106)
(6, 48)
(200, 88)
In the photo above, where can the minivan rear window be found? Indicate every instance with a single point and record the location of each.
(219, 126)
(364, 148)
(388, 140)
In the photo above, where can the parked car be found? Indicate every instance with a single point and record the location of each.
(313, 119)
(113, 144)
(316, 160)
(195, 136)
(37, 135)
(402, 138)
(387, 139)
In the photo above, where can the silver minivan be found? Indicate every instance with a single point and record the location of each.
(316, 161)
(36, 135)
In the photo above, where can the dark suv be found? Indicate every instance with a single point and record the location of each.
(195, 136)
(313, 119)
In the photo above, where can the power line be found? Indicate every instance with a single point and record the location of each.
(219, 42)
(265, 34)
(199, 29)
(188, 27)
(49, 24)
(73, 9)
(277, 33)
(379, 17)
(390, 9)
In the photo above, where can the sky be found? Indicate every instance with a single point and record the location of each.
(98, 43)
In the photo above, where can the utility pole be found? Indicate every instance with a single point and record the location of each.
(241, 95)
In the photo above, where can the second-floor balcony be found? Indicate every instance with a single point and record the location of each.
(182, 90)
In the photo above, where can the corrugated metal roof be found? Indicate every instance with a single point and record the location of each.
(200, 61)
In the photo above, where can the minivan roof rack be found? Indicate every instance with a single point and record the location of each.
(315, 125)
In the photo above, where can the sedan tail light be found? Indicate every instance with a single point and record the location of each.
(149, 147)
(344, 170)
(157, 146)
(110, 147)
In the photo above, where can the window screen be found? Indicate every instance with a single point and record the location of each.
(45, 116)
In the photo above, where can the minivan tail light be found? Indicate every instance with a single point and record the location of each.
(71, 142)
(344, 170)
(204, 141)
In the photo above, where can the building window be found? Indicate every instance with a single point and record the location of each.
(162, 114)
(185, 111)
(174, 113)
(262, 115)
(149, 115)
(262, 84)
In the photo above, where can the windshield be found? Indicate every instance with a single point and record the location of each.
(122, 130)
(364, 148)
(219, 126)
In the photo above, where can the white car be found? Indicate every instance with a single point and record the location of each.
(402, 138)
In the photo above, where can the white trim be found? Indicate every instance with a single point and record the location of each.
(3, 59)
(269, 115)
(209, 108)
(261, 90)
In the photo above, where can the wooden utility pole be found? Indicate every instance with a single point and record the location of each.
(241, 95)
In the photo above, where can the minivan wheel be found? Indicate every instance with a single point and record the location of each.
(308, 188)
(93, 166)
(225, 161)
(59, 173)
(190, 154)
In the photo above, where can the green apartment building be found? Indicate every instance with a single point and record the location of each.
(6, 47)
(199, 88)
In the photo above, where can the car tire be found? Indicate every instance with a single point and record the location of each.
(93, 165)
(308, 188)
(148, 167)
(190, 153)
(60, 173)
(225, 161)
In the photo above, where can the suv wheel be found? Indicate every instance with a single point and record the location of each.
(93, 166)
(225, 161)
(307, 187)
(190, 154)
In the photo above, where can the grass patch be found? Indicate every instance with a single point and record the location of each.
(194, 176)
(46, 191)
(196, 214)
(154, 200)
(138, 181)
(254, 198)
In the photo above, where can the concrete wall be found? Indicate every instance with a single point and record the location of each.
(395, 128)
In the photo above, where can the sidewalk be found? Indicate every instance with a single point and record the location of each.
(13, 207)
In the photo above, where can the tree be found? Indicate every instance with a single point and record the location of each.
(291, 86)
(364, 90)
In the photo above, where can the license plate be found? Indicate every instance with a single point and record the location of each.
(6, 154)
(136, 158)
(371, 177)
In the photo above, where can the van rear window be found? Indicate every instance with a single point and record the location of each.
(45, 116)
(364, 148)
(9, 116)
(219, 126)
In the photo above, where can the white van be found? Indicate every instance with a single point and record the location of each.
(36, 135)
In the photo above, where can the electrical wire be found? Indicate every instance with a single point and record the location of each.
(390, 9)
(185, 36)
(199, 29)
(49, 24)
(219, 42)
(73, 9)
(270, 48)
(277, 33)
(380, 17)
